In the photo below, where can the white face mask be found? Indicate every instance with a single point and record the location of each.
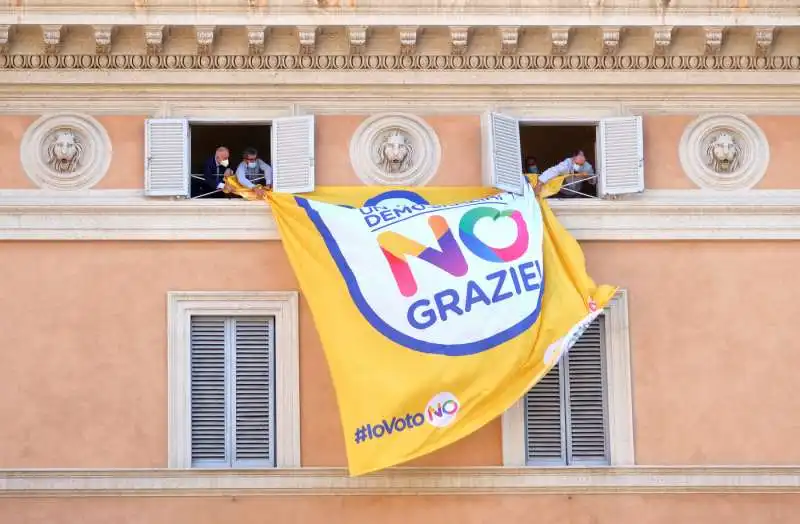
(576, 167)
(252, 164)
(224, 163)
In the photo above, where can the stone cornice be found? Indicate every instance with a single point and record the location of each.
(273, 100)
(655, 215)
(409, 15)
(401, 481)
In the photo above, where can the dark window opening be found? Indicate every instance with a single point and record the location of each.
(551, 144)
(206, 138)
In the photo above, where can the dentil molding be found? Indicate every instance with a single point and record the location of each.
(399, 481)
(653, 215)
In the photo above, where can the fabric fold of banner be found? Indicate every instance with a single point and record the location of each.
(437, 308)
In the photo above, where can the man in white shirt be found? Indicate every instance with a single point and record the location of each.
(254, 172)
(577, 171)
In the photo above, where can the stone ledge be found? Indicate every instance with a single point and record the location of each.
(655, 215)
(401, 481)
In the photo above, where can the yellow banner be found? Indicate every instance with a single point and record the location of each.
(438, 308)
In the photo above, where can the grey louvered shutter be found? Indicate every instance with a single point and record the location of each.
(166, 160)
(566, 413)
(293, 154)
(544, 421)
(253, 387)
(502, 153)
(208, 395)
(232, 391)
(585, 392)
(621, 156)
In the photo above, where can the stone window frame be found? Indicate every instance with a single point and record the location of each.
(618, 391)
(283, 306)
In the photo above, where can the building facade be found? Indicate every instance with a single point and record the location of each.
(160, 365)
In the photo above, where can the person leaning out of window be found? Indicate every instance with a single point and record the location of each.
(215, 170)
(254, 173)
(577, 170)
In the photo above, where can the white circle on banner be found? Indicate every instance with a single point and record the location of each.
(442, 409)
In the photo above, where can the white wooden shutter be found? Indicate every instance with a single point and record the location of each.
(621, 156)
(502, 155)
(166, 160)
(585, 393)
(565, 413)
(293, 154)
(232, 391)
(253, 387)
(208, 396)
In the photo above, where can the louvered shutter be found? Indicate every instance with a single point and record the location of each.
(232, 391)
(544, 421)
(621, 156)
(293, 154)
(502, 155)
(565, 413)
(167, 157)
(253, 386)
(585, 394)
(208, 395)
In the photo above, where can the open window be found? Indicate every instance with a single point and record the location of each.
(613, 146)
(177, 150)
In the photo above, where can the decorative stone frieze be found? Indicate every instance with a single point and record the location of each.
(611, 40)
(714, 39)
(509, 39)
(205, 39)
(395, 149)
(154, 39)
(65, 151)
(463, 39)
(459, 39)
(724, 152)
(662, 39)
(102, 38)
(51, 36)
(764, 37)
(559, 40)
(357, 37)
(347, 62)
(256, 39)
(307, 39)
(408, 39)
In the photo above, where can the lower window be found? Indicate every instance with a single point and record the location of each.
(232, 361)
(566, 415)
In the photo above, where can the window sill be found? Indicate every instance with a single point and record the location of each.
(402, 481)
(653, 215)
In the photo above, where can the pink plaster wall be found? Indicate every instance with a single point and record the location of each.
(83, 367)
(460, 138)
(662, 136)
(472, 509)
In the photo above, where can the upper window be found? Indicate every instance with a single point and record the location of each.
(178, 150)
(613, 147)
(204, 140)
(580, 413)
(545, 145)
(233, 380)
